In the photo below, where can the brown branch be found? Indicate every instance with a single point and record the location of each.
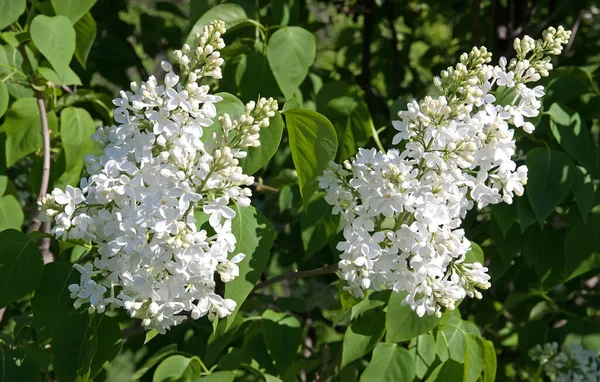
(574, 30)
(296, 274)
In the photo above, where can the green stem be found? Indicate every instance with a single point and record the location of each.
(14, 70)
(376, 137)
(31, 13)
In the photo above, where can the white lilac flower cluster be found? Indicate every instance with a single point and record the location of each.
(159, 168)
(403, 209)
(573, 363)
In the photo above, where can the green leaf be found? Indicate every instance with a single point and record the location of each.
(525, 213)
(21, 266)
(371, 301)
(178, 367)
(550, 174)
(109, 342)
(283, 337)
(153, 360)
(362, 335)
(505, 215)
(254, 77)
(85, 34)
(318, 225)
(232, 14)
(490, 361)
(12, 61)
(475, 254)
(290, 104)
(255, 236)
(448, 371)
(76, 130)
(73, 347)
(69, 78)
(572, 134)
(219, 376)
(17, 365)
(270, 137)
(474, 358)
(584, 190)
(23, 129)
(313, 143)
(52, 302)
(11, 213)
(55, 39)
(391, 363)
(4, 98)
(10, 10)
(285, 11)
(402, 323)
(422, 351)
(291, 51)
(582, 247)
(73, 9)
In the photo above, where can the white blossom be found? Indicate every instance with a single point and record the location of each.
(141, 199)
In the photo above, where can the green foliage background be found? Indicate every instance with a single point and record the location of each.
(345, 68)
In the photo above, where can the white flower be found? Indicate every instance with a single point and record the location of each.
(218, 209)
(70, 198)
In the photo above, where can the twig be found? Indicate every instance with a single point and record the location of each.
(263, 187)
(396, 66)
(296, 274)
(574, 30)
(329, 368)
(550, 19)
(133, 329)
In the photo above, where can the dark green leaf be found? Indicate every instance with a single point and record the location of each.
(448, 371)
(505, 215)
(546, 253)
(232, 14)
(11, 213)
(85, 32)
(582, 247)
(219, 376)
(318, 225)
(10, 10)
(584, 190)
(285, 11)
(572, 134)
(55, 39)
(391, 363)
(270, 137)
(153, 360)
(550, 174)
(254, 78)
(371, 301)
(17, 365)
(255, 237)
(3, 98)
(313, 143)
(283, 337)
(52, 301)
(402, 323)
(362, 336)
(73, 347)
(291, 51)
(109, 342)
(21, 266)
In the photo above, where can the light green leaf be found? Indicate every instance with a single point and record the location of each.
(362, 335)
(178, 367)
(283, 337)
(219, 376)
(371, 301)
(23, 129)
(290, 104)
(232, 14)
(475, 254)
(153, 360)
(55, 39)
(270, 137)
(21, 266)
(17, 365)
(76, 130)
(402, 323)
(474, 358)
(73, 9)
(85, 32)
(313, 143)
(255, 237)
(52, 302)
(390, 363)
(11, 213)
(291, 51)
(69, 78)
(10, 10)
(550, 176)
(422, 351)
(109, 342)
(490, 361)
(3, 98)
(448, 371)
(74, 344)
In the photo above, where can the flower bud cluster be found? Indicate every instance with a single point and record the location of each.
(572, 363)
(157, 204)
(403, 210)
